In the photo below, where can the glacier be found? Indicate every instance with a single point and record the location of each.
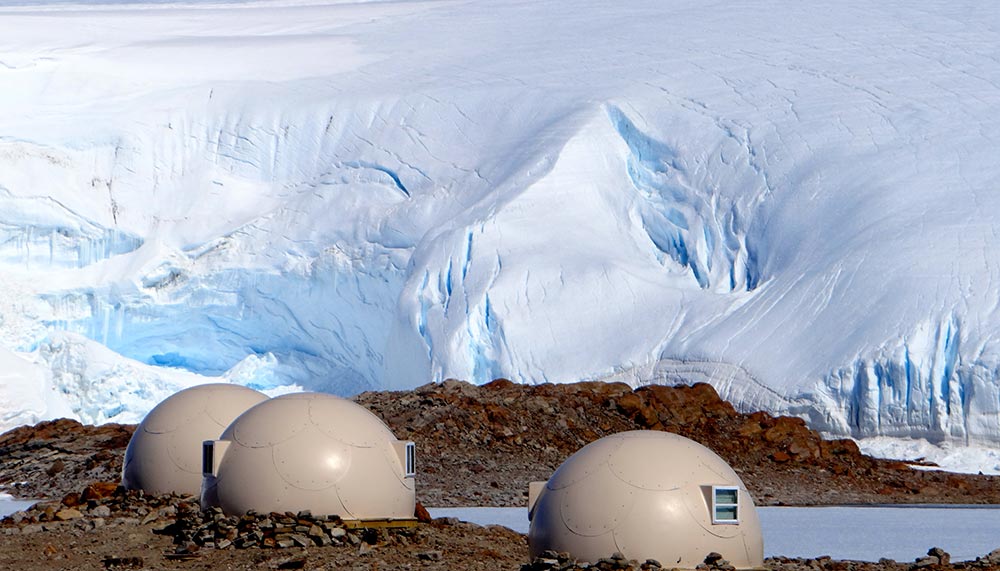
(794, 203)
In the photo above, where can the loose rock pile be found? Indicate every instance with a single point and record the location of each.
(935, 556)
(194, 529)
(991, 560)
(97, 505)
(935, 559)
(715, 562)
(54, 457)
(107, 504)
(552, 561)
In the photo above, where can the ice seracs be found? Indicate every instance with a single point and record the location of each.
(647, 495)
(164, 454)
(310, 451)
(794, 205)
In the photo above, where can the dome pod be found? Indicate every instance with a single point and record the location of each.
(648, 495)
(164, 454)
(310, 451)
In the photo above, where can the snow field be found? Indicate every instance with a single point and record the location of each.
(793, 204)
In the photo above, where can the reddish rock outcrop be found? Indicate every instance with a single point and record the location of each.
(54, 458)
(482, 445)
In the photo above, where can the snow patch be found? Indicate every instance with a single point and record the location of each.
(948, 456)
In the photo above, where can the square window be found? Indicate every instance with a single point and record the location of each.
(726, 496)
(725, 513)
(725, 505)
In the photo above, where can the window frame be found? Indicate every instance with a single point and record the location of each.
(208, 458)
(716, 504)
(410, 462)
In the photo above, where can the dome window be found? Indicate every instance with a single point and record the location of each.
(725, 505)
(411, 459)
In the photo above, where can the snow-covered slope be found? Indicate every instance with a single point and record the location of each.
(794, 202)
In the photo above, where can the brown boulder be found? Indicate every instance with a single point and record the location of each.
(99, 491)
(802, 446)
(630, 403)
(499, 384)
(750, 429)
(635, 407)
(780, 457)
(421, 513)
(841, 447)
(55, 468)
(71, 500)
(68, 514)
(784, 428)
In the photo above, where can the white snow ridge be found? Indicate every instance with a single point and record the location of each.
(797, 205)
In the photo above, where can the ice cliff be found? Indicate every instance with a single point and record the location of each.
(795, 204)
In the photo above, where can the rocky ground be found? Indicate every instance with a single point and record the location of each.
(483, 445)
(54, 458)
(112, 529)
(104, 527)
(476, 446)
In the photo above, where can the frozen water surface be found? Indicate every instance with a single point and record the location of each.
(9, 506)
(513, 518)
(859, 533)
(868, 533)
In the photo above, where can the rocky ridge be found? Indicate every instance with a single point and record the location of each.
(482, 445)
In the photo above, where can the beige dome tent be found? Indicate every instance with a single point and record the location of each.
(164, 454)
(310, 451)
(648, 495)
